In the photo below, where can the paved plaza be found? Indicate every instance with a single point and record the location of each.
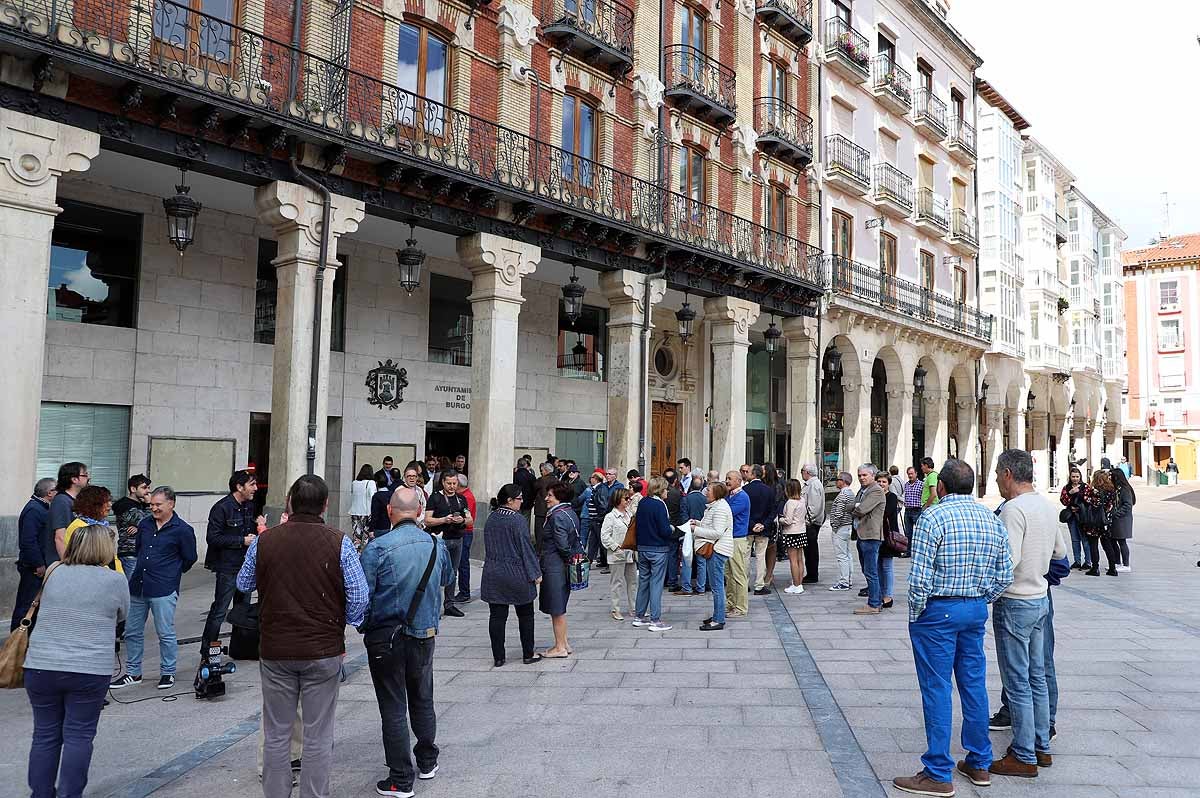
(801, 698)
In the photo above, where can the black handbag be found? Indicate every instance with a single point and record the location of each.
(1091, 515)
(1064, 515)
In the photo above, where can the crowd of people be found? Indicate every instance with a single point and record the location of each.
(405, 566)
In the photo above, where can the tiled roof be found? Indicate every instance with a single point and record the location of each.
(1175, 248)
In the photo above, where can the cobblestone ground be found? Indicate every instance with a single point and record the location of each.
(800, 698)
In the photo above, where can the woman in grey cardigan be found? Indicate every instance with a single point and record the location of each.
(511, 573)
(70, 659)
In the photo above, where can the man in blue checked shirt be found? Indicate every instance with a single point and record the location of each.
(961, 562)
(310, 586)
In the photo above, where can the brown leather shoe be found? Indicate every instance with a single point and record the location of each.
(1011, 766)
(922, 784)
(1044, 760)
(977, 776)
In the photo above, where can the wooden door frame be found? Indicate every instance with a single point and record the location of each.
(674, 412)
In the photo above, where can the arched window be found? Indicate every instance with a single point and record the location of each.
(579, 136)
(423, 67)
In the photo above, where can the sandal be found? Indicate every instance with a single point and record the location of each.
(548, 655)
(616, 616)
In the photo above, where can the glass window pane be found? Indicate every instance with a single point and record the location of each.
(697, 177)
(435, 69)
(683, 171)
(587, 143)
(97, 435)
(406, 65)
(450, 325)
(94, 257)
(214, 38)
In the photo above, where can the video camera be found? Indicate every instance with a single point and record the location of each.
(208, 682)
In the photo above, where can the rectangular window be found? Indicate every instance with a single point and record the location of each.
(960, 285)
(887, 47)
(777, 219)
(1170, 372)
(97, 435)
(1034, 315)
(578, 139)
(887, 254)
(1168, 295)
(843, 235)
(450, 326)
(1170, 336)
(266, 295)
(94, 257)
(582, 346)
(925, 76)
(841, 10)
(584, 446)
(927, 274)
(195, 30)
(957, 105)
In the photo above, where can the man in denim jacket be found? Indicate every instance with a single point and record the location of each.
(400, 653)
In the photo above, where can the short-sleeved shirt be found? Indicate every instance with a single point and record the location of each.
(930, 488)
(441, 506)
(62, 513)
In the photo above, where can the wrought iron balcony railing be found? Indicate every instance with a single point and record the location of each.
(783, 130)
(599, 31)
(792, 18)
(850, 278)
(190, 54)
(962, 227)
(892, 184)
(932, 209)
(962, 134)
(888, 77)
(693, 72)
(841, 40)
(844, 156)
(929, 109)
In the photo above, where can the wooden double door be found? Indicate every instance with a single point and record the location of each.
(664, 432)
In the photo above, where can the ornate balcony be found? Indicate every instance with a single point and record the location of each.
(791, 18)
(963, 233)
(847, 165)
(893, 192)
(597, 32)
(847, 51)
(961, 141)
(851, 281)
(232, 98)
(932, 213)
(700, 85)
(891, 84)
(783, 131)
(929, 115)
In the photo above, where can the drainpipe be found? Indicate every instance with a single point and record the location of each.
(318, 304)
(662, 108)
(819, 461)
(644, 389)
(294, 66)
(978, 294)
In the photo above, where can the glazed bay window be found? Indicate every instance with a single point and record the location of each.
(582, 346)
(94, 257)
(266, 295)
(578, 141)
(423, 65)
(449, 320)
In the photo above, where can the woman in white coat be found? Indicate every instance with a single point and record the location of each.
(621, 562)
(361, 491)
(716, 527)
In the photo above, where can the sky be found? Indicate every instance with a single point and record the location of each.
(1111, 89)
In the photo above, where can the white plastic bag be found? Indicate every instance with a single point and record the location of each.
(687, 545)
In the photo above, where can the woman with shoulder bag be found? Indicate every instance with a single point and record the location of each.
(1120, 521)
(511, 573)
(892, 534)
(69, 662)
(793, 532)
(715, 531)
(1071, 496)
(1093, 513)
(622, 563)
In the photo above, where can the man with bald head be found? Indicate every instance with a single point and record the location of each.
(405, 569)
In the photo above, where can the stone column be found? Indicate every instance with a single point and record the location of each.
(628, 360)
(731, 319)
(497, 267)
(968, 432)
(34, 153)
(1060, 427)
(801, 336)
(900, 428)
(1038, 421)
(856, 424)
(295, 211)
(937, 425)
(1096, 446)
(994, 444)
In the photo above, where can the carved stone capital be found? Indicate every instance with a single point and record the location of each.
(745, 136)
(34, 152)
(295, 213)
(497, 265)
(731, 318)
(648, 91)
(518, 22)
(625, 291)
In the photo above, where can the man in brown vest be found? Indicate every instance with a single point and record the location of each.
(310, 585)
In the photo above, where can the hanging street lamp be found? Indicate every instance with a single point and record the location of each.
(771, 337)
(919, 379)
(181, 210)
(572, 298)
(686, 318)
(409, 261)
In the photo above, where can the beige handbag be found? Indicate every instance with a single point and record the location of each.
(12, 654)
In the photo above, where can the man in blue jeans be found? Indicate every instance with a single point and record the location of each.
(960, 563)
(654, 546)
(1036, 537)
(166, 550)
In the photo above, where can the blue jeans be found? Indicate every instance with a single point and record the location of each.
(701, 567)
(947, 642)
(868, 551)
(673, 570)
(887, 577)
(163, 610)
(454, 547)
(652, 568)
(464, 566)
(66, 709)
(1048, 661)
(716, 580)
(1079, 547)
(1019, 626)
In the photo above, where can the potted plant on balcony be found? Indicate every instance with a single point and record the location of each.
(894, 84)
(859, 55)
(1063, 305)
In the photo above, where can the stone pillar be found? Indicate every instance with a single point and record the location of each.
(1060, 427)
(295, 211)
(1038, 421)
(900, 429)
(34, 153)
(937, 425)
(994, 416)
(731, 319)
(1096, 446)
(856, 423)
(497, 267)
(801, 336)
(628, 360)
(968, 432)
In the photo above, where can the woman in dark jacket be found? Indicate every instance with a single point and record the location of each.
(1071, 495)
(1099, 496)
(1120, 528)
(891, 525)
(558, 543)
(655, 542)
(511, 572)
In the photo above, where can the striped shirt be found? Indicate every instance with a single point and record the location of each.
(959, 548)
(840, 510)
(912, 493)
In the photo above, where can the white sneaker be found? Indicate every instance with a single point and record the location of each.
(795, 590)
(659, 626)
(1124, 568)
(640, 622)
(428, 775)
(840, 586)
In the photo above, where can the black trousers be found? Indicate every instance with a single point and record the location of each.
(402, 672)
(224, 592)
(1111, 551)
(27, 590)
(498, 620)
(812, 555)
(595, 551)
